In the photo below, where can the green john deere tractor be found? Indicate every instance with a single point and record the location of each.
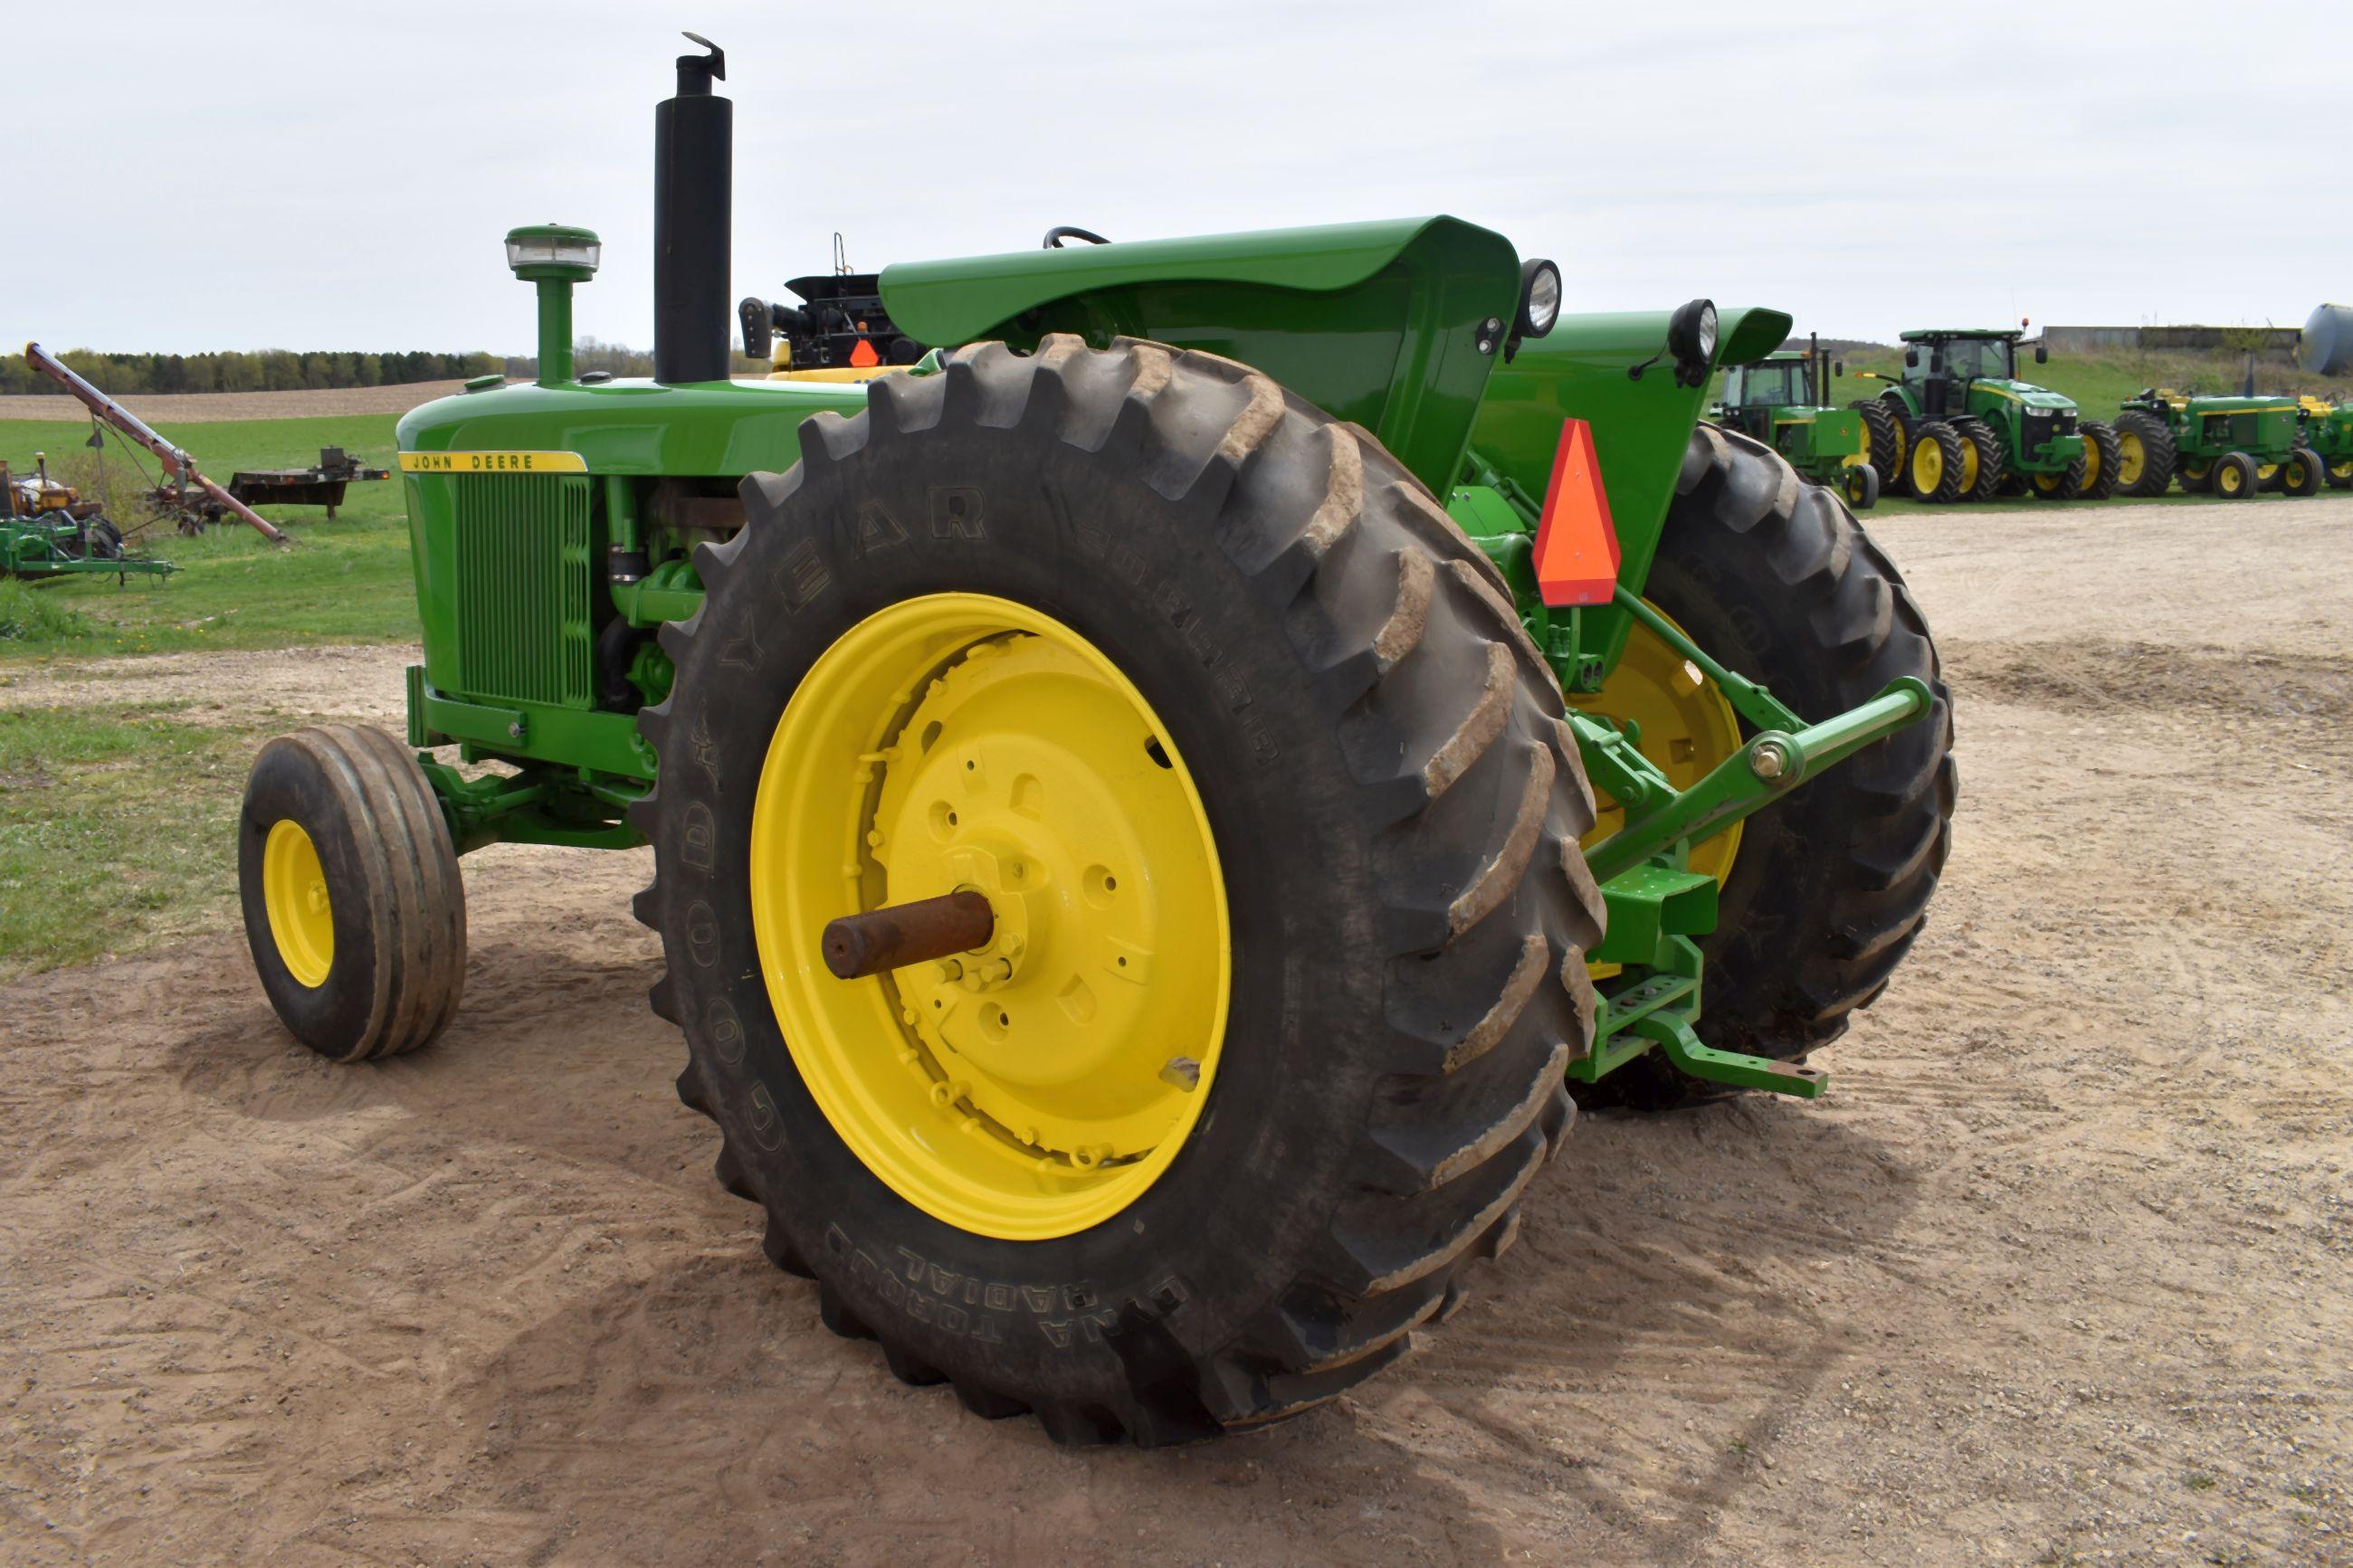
(1777, 400)
(2328, 430)
(1144, 883)
(1960, 425)
(2226, 446)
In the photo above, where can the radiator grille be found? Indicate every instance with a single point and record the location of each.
(522, 584)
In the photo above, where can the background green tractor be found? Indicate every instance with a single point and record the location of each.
(2328, 430)
(2228, 447)
(1143, 880)
(1960, 425)
(1778, 400)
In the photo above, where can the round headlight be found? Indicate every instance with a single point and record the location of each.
(1539, 297)
(1691, 334)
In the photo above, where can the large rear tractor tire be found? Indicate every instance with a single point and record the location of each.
(2102, 461)
(1277, 815)
(2303, 472)
(354, 905)
(1990, 458)
(2144, 454)
(1938, 468)
(1883, 434)
(1826, 890)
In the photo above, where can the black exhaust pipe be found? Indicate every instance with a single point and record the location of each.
(694, 168)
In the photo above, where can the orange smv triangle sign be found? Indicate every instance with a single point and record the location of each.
(1577, 544)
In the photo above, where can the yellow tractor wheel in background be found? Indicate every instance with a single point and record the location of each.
(2132, 459)
(1683, 725)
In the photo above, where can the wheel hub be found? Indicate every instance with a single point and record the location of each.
(294, 896)
(1026, 1087)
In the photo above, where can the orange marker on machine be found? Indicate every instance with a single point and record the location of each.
(1576, 542)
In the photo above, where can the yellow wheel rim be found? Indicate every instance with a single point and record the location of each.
(294, 895)
(1897, 426)
(2048, 483)
(1038, 1085)
(2091, 464)
(2342, 472)
(2264, 472)
(1683, 725)
(2132, 459)
(2229, 481)
(1969, 466)
(1927, 466)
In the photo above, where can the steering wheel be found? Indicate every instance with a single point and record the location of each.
(1063, 231)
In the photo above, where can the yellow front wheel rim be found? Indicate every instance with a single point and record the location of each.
(2228, 480)
(1683, 725)
(294, 895)
(1927, 466)
(2132, 459)
(1039, 1085)
(1969, 466)
(2091, 464)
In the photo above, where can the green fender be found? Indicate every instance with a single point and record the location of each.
(1377, 323)
(1642, 427)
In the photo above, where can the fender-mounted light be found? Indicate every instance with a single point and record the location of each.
(1539, 297)
(1691, 338)
(1539, 303)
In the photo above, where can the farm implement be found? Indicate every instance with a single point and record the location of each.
(47, 533)
(1959, 426)
(191, 488)
(2226, 446)
(1779, 401)
(1144, 884)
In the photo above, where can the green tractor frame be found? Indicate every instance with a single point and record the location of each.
(47, 533)
(1778, 400)
(1145, 882)
(2225, 447)
(1959, 424)
(2328, 430)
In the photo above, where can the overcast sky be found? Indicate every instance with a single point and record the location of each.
(182, 177)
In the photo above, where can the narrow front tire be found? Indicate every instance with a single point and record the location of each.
(354, 905)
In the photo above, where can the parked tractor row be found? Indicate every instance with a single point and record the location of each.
(1958, 424)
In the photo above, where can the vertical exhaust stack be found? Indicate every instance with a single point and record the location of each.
(694, 167)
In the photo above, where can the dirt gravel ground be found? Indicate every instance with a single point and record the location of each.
(219, 407)
(2057, 1273)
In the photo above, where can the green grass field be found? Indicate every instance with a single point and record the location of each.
(115, 828)
(342, 582)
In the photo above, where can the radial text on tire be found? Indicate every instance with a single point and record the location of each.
(1380, 774)
(353, 905)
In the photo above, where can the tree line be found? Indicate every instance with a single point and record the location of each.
(262, 370)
